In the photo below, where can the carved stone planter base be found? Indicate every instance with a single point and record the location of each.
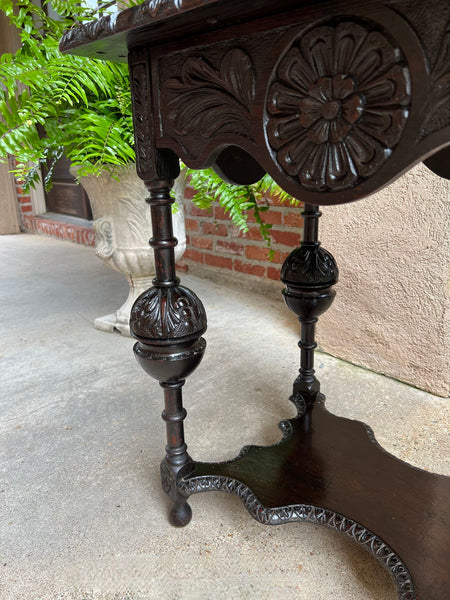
(107, 323)
(120, 320)
(110, 323)
(311, 476)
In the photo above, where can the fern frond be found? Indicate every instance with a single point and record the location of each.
(238, 200)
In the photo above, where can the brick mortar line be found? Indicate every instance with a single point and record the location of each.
(277, 246)
(281, 229)
(270, 273)
(212, 219)
(239, 257)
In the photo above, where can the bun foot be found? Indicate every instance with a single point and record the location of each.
(180, 514)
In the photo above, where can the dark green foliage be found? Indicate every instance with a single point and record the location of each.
(52, 103)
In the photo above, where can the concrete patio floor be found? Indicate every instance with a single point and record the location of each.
(82, 513)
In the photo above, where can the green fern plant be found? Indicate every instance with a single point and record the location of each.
(53, 104)
(237, 200)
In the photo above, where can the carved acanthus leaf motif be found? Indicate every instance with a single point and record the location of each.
(136, 213)
(141, 103)
(440, 76)
(209, 100)
(168, 480)
(310, 265)
(167, 313)
(338, 104)
(439, 82)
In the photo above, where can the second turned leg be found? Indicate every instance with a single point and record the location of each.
(309, 273)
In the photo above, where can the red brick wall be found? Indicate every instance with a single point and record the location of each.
(36, 224)
(60, 230)
(24, 200)
(214, 241)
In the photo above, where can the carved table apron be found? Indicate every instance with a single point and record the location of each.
(335, 100)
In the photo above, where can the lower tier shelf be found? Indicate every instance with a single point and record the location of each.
(331, 470)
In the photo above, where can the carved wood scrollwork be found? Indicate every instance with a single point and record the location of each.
(337, 104)
(211, 101)
(310, 266)
(153, 7)
(143, 130)
(439, 83)
(113, 23)
(168, 313)
(322, 111)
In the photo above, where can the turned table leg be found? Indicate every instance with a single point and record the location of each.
(309, 273)
(168, 321)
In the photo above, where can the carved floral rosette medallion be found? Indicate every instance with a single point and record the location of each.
(337, 106)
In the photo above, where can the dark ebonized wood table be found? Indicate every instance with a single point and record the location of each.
(335, 99)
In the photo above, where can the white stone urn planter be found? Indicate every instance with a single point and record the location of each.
(123, 228)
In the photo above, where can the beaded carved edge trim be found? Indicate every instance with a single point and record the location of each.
(312, 514)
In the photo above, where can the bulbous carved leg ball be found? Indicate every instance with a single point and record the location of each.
(168, 321)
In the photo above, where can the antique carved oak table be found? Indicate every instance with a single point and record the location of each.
(334, 99)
